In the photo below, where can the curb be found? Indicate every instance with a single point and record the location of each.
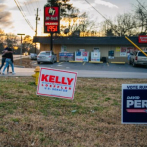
(19, 66)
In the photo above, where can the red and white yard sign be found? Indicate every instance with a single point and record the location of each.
(56, 83)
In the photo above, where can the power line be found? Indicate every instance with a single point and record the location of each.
(103, 16)
(141, 5)
(21, 10)
(27, 8)
(31, 4)
(98, 12)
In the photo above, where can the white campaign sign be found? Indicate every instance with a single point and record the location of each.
(56, 83)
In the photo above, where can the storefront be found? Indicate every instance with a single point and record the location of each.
(113, 49)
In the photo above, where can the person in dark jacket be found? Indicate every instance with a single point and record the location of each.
(3, 59)
(9, 60)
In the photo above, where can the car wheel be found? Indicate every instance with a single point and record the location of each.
(38, 62)
(133, 64)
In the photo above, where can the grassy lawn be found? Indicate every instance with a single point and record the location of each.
(92, 119)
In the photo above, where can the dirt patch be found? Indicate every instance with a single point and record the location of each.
(25, 62)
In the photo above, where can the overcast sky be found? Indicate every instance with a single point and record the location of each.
(12, 21)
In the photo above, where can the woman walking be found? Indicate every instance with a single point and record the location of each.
(9, 60)
(3, 60)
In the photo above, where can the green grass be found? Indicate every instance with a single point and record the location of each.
(92, 119)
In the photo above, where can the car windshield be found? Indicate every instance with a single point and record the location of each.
(141, 54)
(45, 53)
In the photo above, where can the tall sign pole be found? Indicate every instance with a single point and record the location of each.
(51, 41)
(37, 18)
(51, 21)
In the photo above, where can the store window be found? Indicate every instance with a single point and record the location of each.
(63, 48)
(111, 54)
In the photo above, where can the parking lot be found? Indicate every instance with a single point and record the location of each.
(93, 66)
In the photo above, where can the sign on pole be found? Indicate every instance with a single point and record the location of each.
(142, 39)
(57, 83)
(51, 19)
(134, 103)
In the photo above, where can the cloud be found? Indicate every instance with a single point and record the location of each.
(5, 16)
(95, 2)
(30, 2)
(105, 3)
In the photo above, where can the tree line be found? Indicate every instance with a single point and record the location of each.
(127, 24)
(78, 24)
(14, 42)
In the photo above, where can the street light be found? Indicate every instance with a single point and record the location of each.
(21, 49)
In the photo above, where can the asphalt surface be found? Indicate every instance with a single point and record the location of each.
(94, 67)
(119, 72)
(86, 69)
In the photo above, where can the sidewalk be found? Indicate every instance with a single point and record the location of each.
(28, 72)
(21, 72)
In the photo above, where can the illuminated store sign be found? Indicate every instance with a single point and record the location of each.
(51, 20)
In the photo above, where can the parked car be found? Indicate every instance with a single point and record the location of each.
(25, 53)
(46, 56)
(33, 56)
(138, 58)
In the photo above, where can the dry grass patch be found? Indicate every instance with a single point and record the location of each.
(26, 62)
(92, 119)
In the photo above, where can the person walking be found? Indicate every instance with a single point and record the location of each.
(9, 60)
(3, 59)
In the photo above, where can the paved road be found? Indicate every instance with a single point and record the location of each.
(102, 70)
(87, 73)
(94, 67)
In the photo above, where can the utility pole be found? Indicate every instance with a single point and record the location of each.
(37, 18)
(21, 50)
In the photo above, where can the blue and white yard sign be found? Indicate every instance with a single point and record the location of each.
(134, 103)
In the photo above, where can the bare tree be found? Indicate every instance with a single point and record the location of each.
(124, 24)
(141, 17)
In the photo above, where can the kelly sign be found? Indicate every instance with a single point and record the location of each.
(56, 83)
(134, 103)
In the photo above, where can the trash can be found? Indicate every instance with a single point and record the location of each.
(104, 59)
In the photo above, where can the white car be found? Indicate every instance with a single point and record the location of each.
(33, 56)
(138, 58)
(46, 56)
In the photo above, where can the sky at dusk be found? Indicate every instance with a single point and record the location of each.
(12, 21)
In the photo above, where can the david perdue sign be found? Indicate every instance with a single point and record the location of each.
(134, 103)
(56, 83)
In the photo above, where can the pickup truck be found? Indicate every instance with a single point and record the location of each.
(138, 58)
(46, 56)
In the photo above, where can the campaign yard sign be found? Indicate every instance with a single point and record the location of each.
(56, 83)
(134, 103)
